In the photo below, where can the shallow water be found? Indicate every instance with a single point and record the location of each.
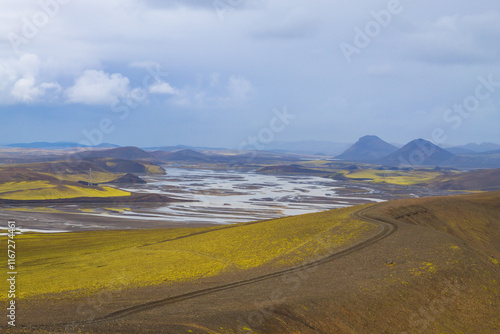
(216, 197)
(224, 197)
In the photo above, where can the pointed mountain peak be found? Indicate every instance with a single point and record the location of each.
(368, 148)
(369, 138)
(418, 152)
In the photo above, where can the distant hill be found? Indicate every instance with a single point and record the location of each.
(367, 148)
(244, 158)
(485, 180)
(168, 148)
(182, 147)
(184, 155)
(419, 152)
(125, 153)
(459, 150)
(55, 146)
(313, 147)
(122, 165)
(490, 159)
(103, 165)
(489, 153)
(20, 174)
(128, 179)
(483, 147)
(64, 167)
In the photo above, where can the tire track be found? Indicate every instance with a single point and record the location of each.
(387, 228)
(208, 230)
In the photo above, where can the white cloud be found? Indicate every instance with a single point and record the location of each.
(455, 39)
(267, 47)
(98, 87)
(19, 77)
(25, 90)
(209, 93)
(239, 88)
(163, 88)
(13, 69)
(51, 85)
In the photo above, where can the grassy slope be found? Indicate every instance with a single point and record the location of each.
(457, 239)
(97, 177)
(485, 180)
(440, 278)
(45, 190)
(436, 282)
(75, 261)
(36, 182)
(63, 171)
(473, 218)
(154, 169)
(393, 177)
(366, 172)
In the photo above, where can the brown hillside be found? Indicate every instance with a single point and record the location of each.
(18, 174)
(474, 218)
(485, 180)
(125, 153)
(62, 167)
(434, 273)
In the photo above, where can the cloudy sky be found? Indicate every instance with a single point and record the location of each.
(218, 72)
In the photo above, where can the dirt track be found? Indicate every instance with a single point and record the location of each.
(353, 294)
(387, 228)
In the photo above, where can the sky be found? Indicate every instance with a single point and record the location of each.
(240, 73)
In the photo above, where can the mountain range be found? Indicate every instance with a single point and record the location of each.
(368, 149)
(474, 148)
(312, 147)
(56, 146)
(421, 152)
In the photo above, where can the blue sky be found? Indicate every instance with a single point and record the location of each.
(212, 73)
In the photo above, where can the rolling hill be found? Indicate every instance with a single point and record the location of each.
(124, 153)
(483, 147)
(314, 147)
(472, 218)
(228, 158)
(489, 159)
(367, 148)
(125, 166)
(459, 150)
(187, 155)
(428, 265)
(97, 165)
(18, 185)
(78, 181)
(481, 180)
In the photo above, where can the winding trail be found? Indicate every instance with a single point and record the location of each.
(386, 229)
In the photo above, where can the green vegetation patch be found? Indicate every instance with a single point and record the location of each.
(393, 177)
(85, 262)
(44, 190)
(97, 177)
